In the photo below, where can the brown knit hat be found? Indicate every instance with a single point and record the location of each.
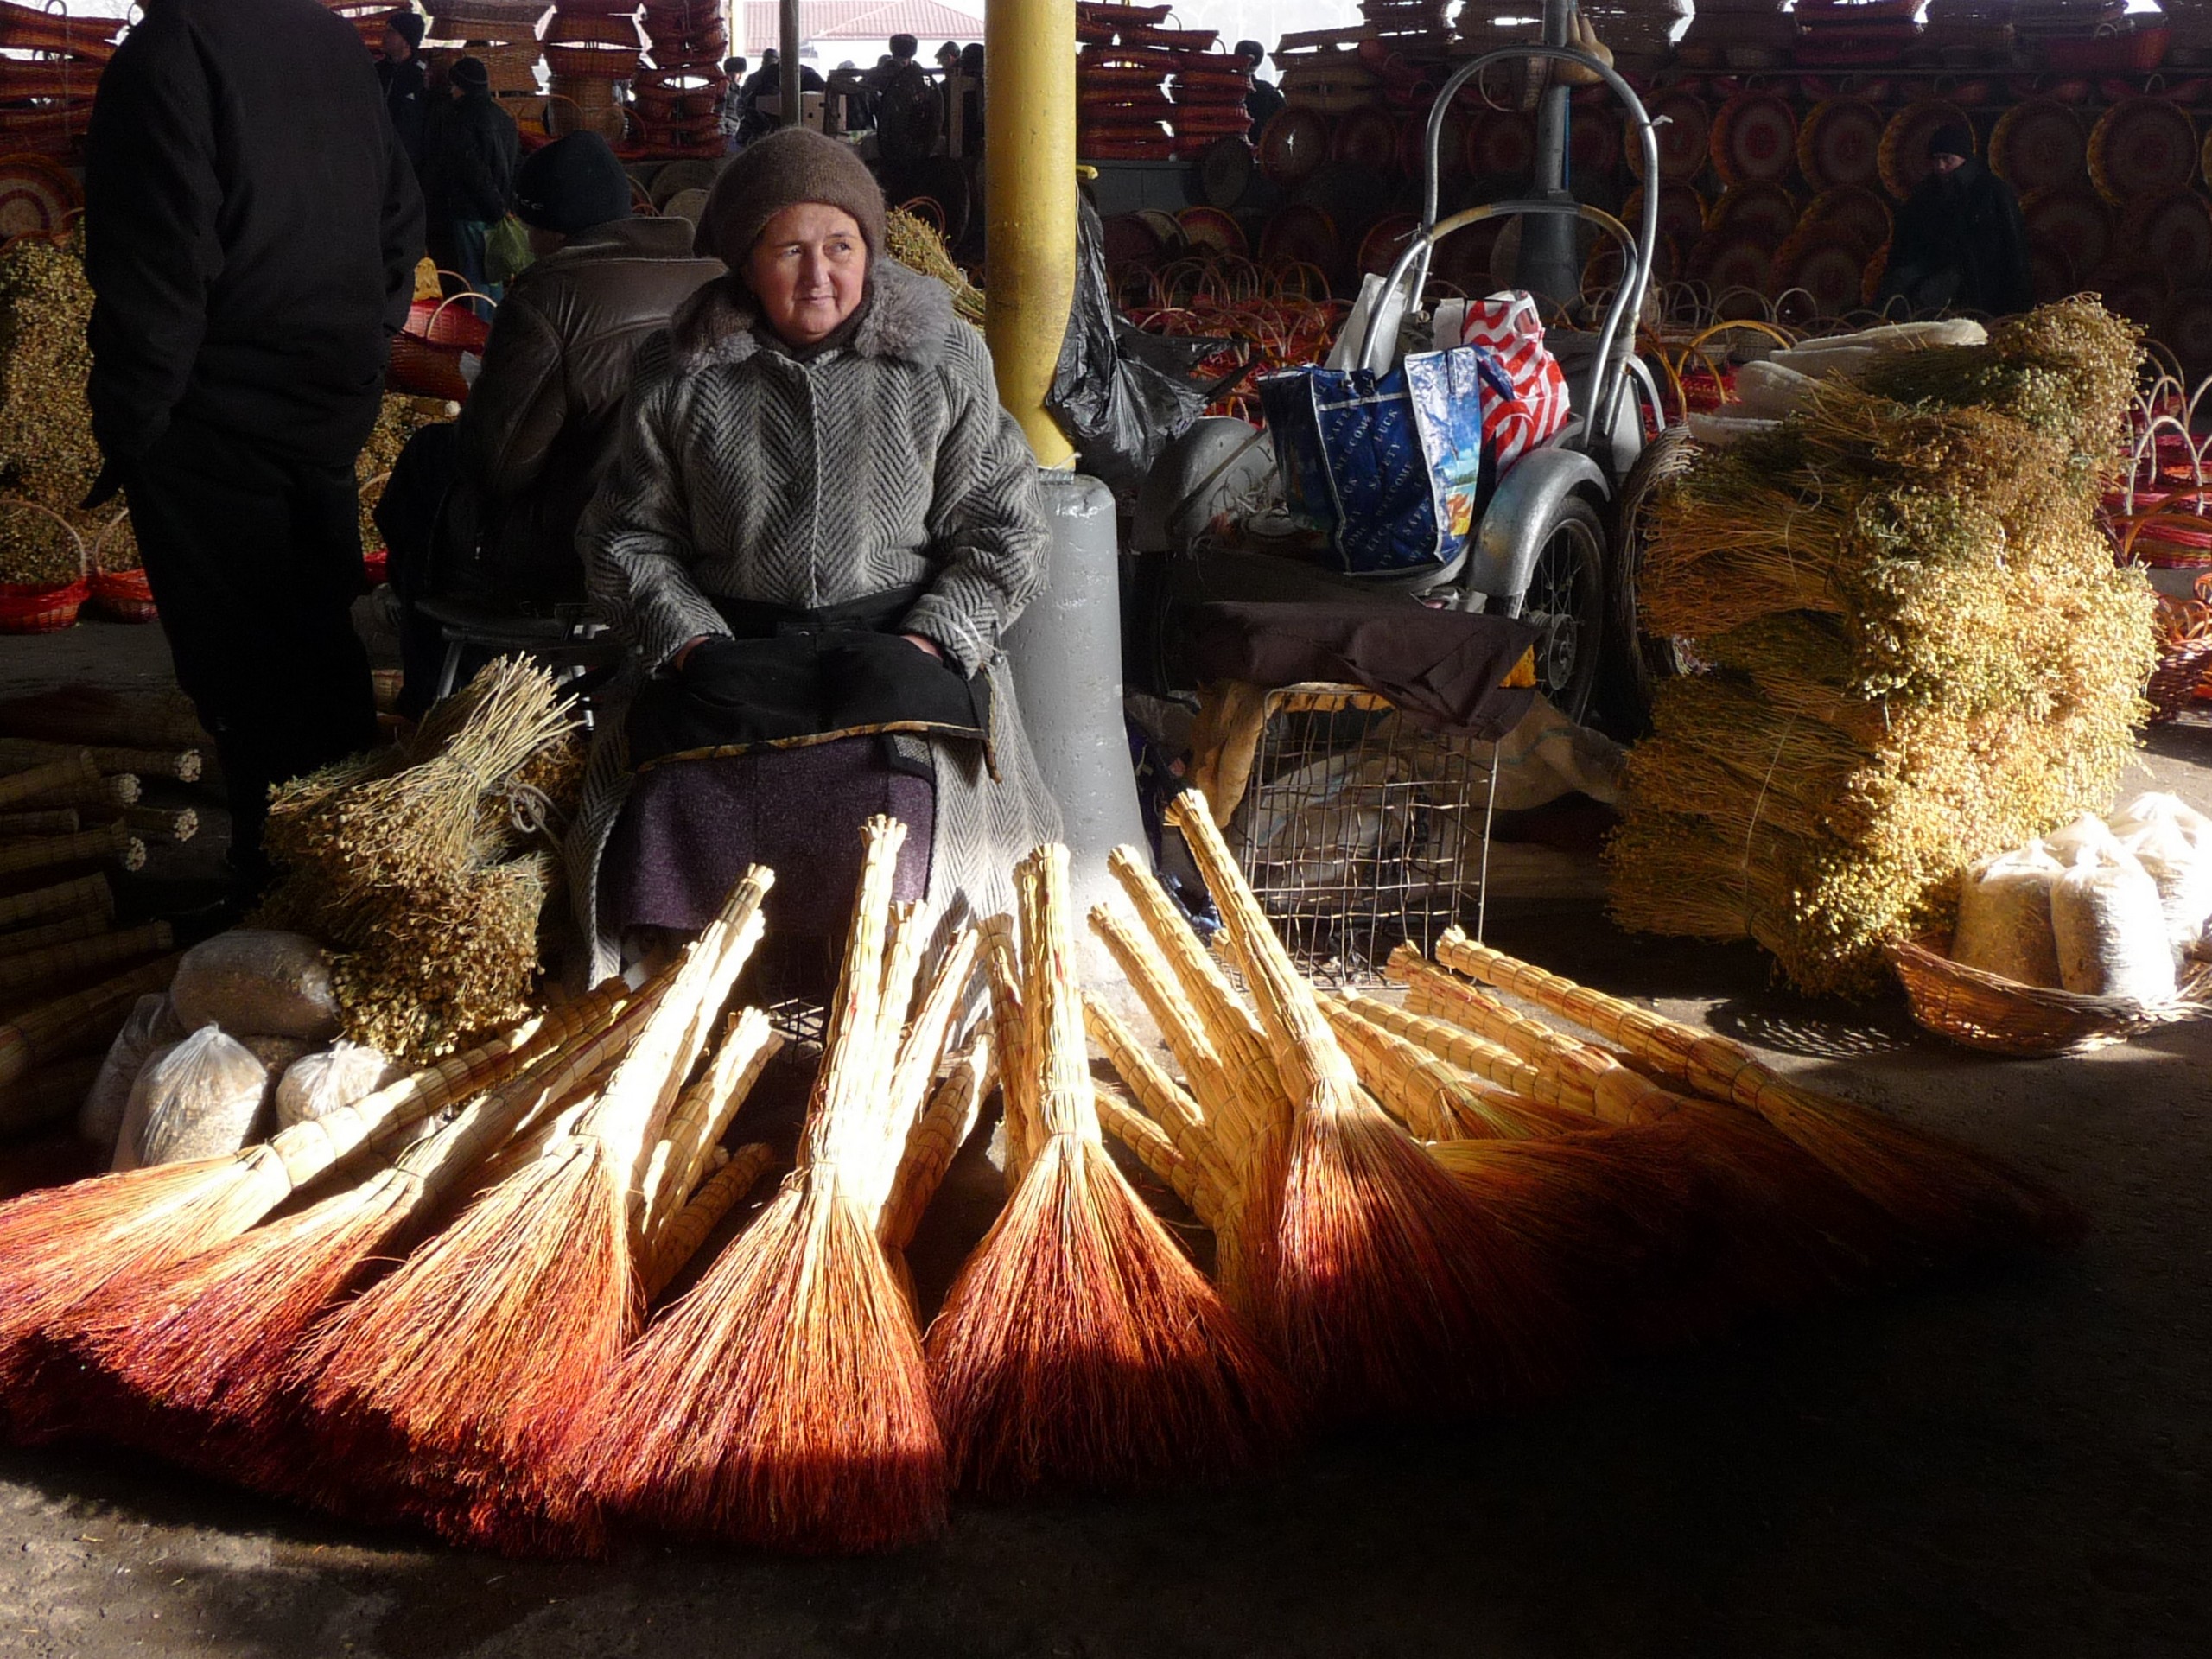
(789, 166)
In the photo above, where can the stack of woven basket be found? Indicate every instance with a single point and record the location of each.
(1121, 103)
(1739, 34)
(678, 100)
(1849, 32)
(46, 95)
(502, 34)
(2188, 33)
(1209, 89)
(592, 48)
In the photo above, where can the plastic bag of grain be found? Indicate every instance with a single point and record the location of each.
(2173, 842)
(198, 1098)
(2004, 917)
(257, 982)
(337, 1077)
(152, 1025)
(2110, 928)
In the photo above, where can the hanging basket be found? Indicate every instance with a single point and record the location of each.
(1855, 211)
(2142, 146)
(1840, 143)
(44, 607)
(2038, 144)
(1754, 139)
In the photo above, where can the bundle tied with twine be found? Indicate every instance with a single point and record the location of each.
(412, 865)
(1920, 649)
(784, 1400)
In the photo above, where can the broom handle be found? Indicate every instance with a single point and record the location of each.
(1311, 1066)
(38, 938)
(1160, 1097)
(38, 1033)
(1194, 967)
(704, 1114)
(1696, 1060)
(306, 1149)
(850, 1039)
(1009, 1024)
(904, 943)
(646, 1082)
(1142, 962)
(1159, 1153)
(1484, 1110)
(1458, 1046)
(76, 956)
(1617, 1094)
(687, 1230)
(45, 852)
(88, 895)
(1055, 999)
(1414, 1087)
(944, 1128)
(921, 1053)
(60, 774)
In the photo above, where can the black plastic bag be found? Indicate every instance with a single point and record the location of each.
(1119, 412)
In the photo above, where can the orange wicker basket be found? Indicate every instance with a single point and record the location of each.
(2002, 1016)
(126, 596)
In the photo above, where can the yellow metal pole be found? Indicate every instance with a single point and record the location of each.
(1030, 199)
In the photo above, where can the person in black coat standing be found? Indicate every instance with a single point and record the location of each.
(406, 94)
(1265, 100)
(1960, 243)
(468, 173)
(252, 230)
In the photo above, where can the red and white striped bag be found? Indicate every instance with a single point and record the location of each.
(1508, 327)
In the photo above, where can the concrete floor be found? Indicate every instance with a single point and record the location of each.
(2004, 1462)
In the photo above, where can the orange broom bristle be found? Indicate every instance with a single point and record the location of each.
(468, 1365)
(1394, 1293)
(1079, 1347)
(783, 1401)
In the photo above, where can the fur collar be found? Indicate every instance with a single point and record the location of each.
(908, 317)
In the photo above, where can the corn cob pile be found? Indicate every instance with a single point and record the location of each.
(414, 866)
(1922, 652)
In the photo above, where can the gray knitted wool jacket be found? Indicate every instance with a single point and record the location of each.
(747, 473)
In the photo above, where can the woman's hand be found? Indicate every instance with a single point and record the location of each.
(929, 645)
(684, 651)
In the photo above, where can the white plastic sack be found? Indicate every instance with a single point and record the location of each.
(259, 983)
(2110, 929)
(1771, 391)
(337, 1077)
(2088, 836)
(153, 1025)
(2005, 925)
(2173, 842)
(198, 1098)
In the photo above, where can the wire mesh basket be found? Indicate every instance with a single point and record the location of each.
(1358, 832)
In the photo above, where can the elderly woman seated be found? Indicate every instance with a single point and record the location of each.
(819, 525)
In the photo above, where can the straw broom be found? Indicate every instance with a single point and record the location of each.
(88, 895)
(56, 821)
(59, 773)
(1939, 1189)
(60, 1247)
(688, 1227)
(1434, 1099)
(54, 1029)
(783, 1401)
(944, 1127)
(475, 1356)
(1393, 1292)
(191, 1358)
(118, 789)
(1796, 1228)
(54, 852)
(183, 765)
(1079, 1347)
(74, 956)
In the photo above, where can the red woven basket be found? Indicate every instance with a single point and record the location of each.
(126, 595)
(44, 607)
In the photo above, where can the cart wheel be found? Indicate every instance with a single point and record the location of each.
(1644, 659)
(1565, 601)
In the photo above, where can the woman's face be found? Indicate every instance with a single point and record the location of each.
(810, 269)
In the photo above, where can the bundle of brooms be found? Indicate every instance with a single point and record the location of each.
(165, 1308)
(405, 864)
(1922, 650)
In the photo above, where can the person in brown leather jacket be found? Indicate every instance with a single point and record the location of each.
(484, 511)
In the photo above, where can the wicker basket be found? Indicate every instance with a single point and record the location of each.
(2002, 1016)
(126, 596)
(44, 607)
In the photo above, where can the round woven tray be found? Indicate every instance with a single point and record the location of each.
(2002, 1016)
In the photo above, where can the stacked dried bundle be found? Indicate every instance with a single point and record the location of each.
(463, 1371)
(784, 1400)
(46, 452)
(1079, 1347)
(1384, 1286)
(1923, 651)
(402, 864)
(917, 245)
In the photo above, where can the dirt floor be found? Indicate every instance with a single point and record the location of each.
(2007, 1461)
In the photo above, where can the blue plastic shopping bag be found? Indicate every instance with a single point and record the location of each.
(1393, 467)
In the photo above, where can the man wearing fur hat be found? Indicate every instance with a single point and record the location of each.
(819, 526)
